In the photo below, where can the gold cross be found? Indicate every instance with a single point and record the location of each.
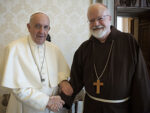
(98, 84)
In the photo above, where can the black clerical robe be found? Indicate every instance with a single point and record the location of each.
(125, 75)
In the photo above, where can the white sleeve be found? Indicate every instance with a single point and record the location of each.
(32, 97)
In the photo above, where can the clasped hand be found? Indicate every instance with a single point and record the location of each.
(55, 103)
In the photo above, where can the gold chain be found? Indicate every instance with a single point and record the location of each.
(98, 77)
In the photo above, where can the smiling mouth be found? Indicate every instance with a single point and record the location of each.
(95, 29)
(98, 28)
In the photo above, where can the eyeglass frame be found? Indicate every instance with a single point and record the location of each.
(98, 19)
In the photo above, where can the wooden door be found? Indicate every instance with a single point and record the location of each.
(144, 37)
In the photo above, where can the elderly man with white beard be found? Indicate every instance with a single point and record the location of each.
(111, 67)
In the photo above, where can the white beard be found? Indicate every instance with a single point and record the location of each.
(98, 33)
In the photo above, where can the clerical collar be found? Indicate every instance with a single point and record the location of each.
(33, 43)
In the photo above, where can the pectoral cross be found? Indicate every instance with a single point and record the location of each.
(98, 84)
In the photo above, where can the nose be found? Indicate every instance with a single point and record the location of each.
(41, 30)
(96, 22)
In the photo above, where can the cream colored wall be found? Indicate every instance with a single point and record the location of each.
(69, 27)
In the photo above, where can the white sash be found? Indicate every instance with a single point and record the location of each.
(108, 101)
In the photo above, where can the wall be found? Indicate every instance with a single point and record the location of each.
(68, 21)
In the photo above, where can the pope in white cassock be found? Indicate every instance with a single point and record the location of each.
(32, 69)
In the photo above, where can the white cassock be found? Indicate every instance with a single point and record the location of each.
(23, 60)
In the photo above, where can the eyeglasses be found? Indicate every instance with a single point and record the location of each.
(99, 19)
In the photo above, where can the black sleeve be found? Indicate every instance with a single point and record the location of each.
(140, 91)
(76, 79)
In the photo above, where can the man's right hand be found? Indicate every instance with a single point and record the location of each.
(55, 103)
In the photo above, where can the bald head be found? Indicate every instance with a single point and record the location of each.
(97, 8)
(38, 15)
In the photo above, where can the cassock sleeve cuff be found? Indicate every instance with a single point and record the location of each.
(68, 100)
(44, 102)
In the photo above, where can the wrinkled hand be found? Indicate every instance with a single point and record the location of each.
(55, 103)
(66, 88)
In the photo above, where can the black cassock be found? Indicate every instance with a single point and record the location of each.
(125, 75)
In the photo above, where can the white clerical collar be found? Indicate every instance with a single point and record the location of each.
(33, 43)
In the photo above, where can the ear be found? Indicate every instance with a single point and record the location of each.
(28, 26)
(49, 28)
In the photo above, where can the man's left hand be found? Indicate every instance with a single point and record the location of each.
(66, 88)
